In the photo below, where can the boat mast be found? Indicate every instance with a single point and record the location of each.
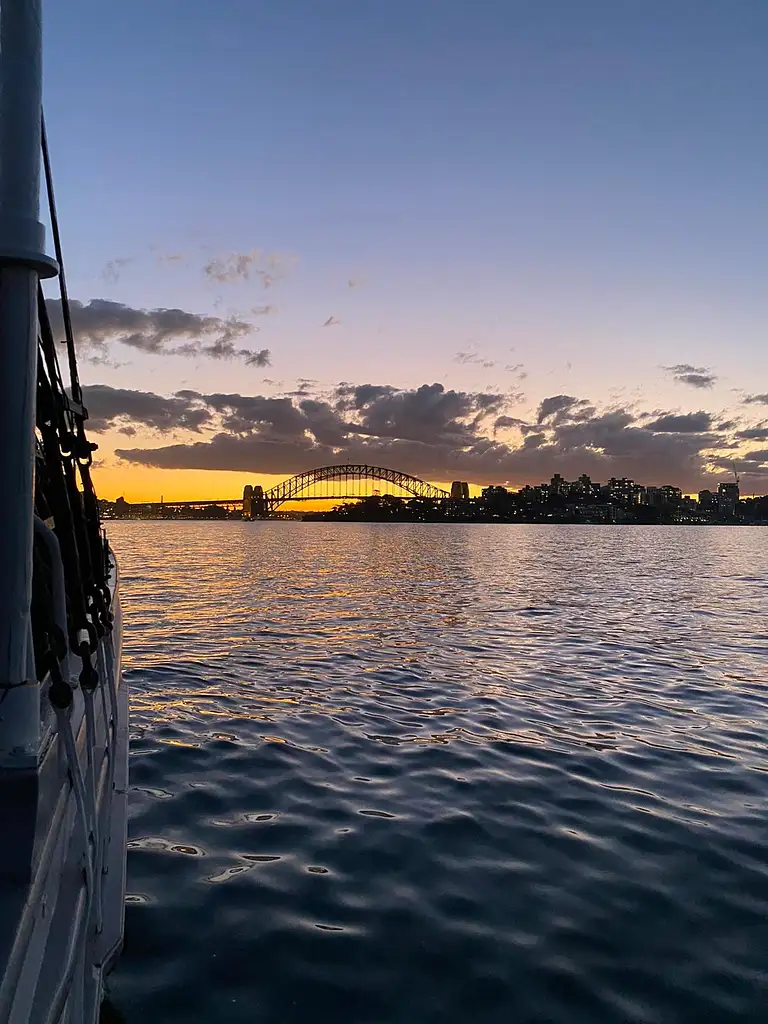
(22, 263)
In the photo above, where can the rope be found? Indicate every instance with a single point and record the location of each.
(76, 614)
(72, 608)
(77, 391)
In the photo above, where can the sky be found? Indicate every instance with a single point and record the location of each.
(487, 241)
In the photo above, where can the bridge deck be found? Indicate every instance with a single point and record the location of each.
(206, 502)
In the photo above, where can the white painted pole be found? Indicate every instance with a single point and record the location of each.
(22, 261)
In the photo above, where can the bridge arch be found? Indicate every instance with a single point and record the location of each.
(295, 487)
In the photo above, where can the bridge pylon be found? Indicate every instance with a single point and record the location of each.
(247, 501)
(255, 504)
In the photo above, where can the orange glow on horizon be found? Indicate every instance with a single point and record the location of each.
(144, 483)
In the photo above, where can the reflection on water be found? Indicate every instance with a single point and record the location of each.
(417, 773)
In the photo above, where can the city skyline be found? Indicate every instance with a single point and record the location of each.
(366, 493)
(487, 243)
(625, 489)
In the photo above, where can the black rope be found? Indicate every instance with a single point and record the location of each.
(66, 494)
(77, 392)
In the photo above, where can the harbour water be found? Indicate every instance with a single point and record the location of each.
(435, 773)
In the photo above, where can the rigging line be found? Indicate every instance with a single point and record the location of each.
(65, 420)
(77, 393)
(60, 504)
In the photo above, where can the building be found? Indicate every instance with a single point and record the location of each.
(707, 501)
(624, 491)
(558, 485)
(460, 490)
(727, 500)
(671, 495)
(663, 497)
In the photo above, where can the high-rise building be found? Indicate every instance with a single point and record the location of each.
(727, 500)
(707, 501)
(671, 495)
(625, 491)
(558, 485)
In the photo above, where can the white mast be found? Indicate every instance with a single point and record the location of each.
(22, 262)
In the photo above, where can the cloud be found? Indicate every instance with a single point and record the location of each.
(241, 266)
(558, 407)
(464, 358)
(260, 358)
(756, 399)
(692, 422)
(101, 323)
(439, 434)
(245, 414)
(747, 467)
(757, 455)
(108, 407)
(428, 414)
(233, 266)
(113, 269)
(753, 434)
(505, 422)
(700, 377)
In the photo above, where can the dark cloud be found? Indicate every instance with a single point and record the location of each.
(261, 358)
(504, 422)
(753, 434)
(439, 434)
(688, 423)
(100, 323)
(747, 467)
(562, 408)
(324, 423)
(276, 418)
(756, 399)
(355, 396)
(428, 414)
(694, 376)
(554, 404)
(108, 407)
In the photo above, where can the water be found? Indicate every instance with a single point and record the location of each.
(422, 773)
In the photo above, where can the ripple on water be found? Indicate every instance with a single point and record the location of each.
(422, 774)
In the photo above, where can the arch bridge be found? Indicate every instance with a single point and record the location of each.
(344, 482)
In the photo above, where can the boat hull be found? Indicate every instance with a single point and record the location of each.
(61, 930)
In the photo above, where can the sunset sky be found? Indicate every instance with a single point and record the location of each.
(486, 240)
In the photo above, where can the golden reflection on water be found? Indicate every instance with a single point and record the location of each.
(345, 605)
(476, 752)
